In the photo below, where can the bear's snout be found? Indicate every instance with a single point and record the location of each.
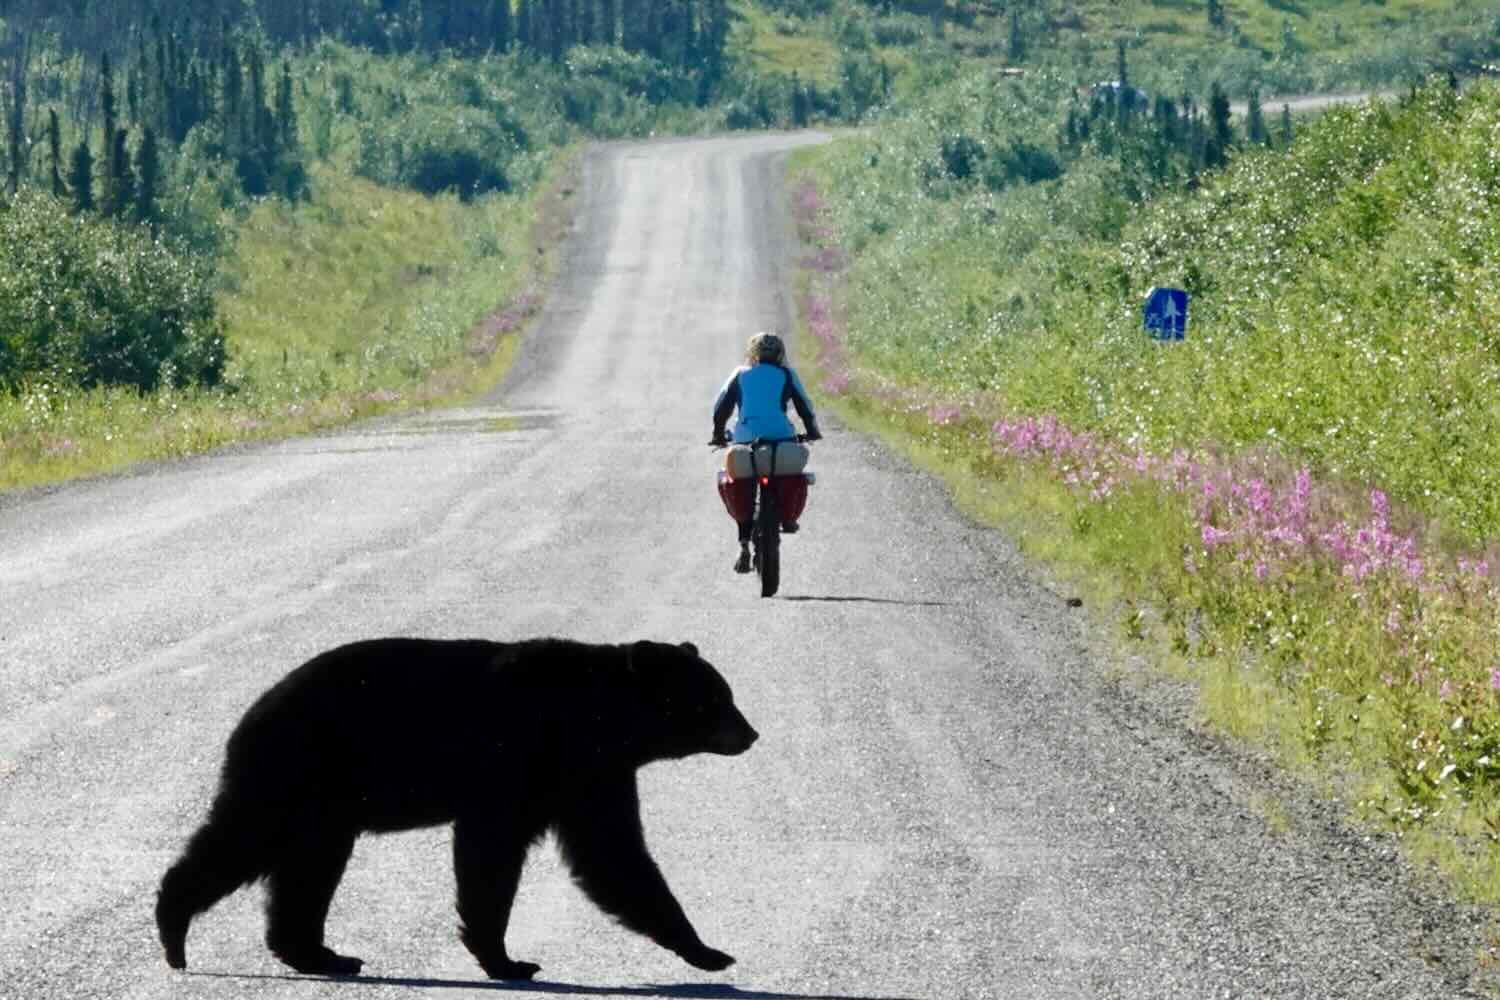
(735, 736)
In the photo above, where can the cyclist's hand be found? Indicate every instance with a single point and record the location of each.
(718, 441)
(812, 436)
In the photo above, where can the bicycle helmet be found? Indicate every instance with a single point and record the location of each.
(766, 347)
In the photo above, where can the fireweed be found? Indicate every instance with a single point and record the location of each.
(1383, 647)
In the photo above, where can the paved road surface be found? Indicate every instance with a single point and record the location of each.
(948, 800)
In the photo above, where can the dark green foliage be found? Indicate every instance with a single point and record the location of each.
(107, 106)
(1255, 121)
(286, 113)
(501, 25)
(94, 303)
(1221, 135)
(863, 84)
(54, 155)
(962, 156)
(1021, 162)
(525, 24)
(120, 186)
(1015, 37)
(423, 141)
(16, 84)
(148, 177)
(81, 176)
(801, 103)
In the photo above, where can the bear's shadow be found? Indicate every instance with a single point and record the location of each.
(672, 991)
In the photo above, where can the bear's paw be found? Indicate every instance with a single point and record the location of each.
(708, 959)
(505, 968)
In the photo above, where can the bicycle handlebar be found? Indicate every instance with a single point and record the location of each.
(799, 438)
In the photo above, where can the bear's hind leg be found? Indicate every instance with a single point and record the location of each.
(487, 862)
(302, 884)
(220, 857)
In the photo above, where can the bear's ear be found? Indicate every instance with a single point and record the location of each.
(689, 647)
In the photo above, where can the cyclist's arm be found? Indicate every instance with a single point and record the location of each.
(802, 403)
(729, 398)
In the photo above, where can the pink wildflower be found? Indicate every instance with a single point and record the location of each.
(1213, 536)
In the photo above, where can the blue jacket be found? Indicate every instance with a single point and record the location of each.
(761, 392)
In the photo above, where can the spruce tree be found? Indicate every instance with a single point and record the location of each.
(556, 28)
(148, 174)
(1015, 45)
(500, 25)
(81, 176)
(1255, 121)
(584, 28)
(801, 111)
(1221, 135)
(1126, 103)
(107, 106)
(54, 154)
(286, 112)
(231, 109)
(15, 119)
(121, 190)
(525, 32)
(606, 25)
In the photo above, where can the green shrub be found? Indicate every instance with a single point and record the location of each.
(94, 303)
(431, 147)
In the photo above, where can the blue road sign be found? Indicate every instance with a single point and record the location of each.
(1166, 313)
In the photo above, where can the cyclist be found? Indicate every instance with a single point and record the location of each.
(761, 389)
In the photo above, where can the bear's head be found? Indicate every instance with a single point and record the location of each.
(688, 706)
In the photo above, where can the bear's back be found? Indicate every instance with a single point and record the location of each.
(406, 732)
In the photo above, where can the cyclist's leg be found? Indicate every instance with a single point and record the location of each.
(742, 562)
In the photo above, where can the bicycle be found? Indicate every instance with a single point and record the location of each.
(769, 498)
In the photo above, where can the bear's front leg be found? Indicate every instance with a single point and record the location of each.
(602, 842)
(487, 862)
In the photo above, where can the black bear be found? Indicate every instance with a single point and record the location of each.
(506, 741)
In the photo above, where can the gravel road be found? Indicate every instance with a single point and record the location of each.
(951, 797)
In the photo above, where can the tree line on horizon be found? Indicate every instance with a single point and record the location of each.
(150, 71)
(687, 34)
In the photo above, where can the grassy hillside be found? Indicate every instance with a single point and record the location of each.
(1275, 46)
(1295, 507)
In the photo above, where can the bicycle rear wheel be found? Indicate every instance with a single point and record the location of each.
(768, 542)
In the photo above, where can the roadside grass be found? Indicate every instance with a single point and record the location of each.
(1318, 620)
(365, 301)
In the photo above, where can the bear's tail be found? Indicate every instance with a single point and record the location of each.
(221, 857)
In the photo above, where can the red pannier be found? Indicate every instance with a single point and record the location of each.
(739, 496)
(793, 493)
